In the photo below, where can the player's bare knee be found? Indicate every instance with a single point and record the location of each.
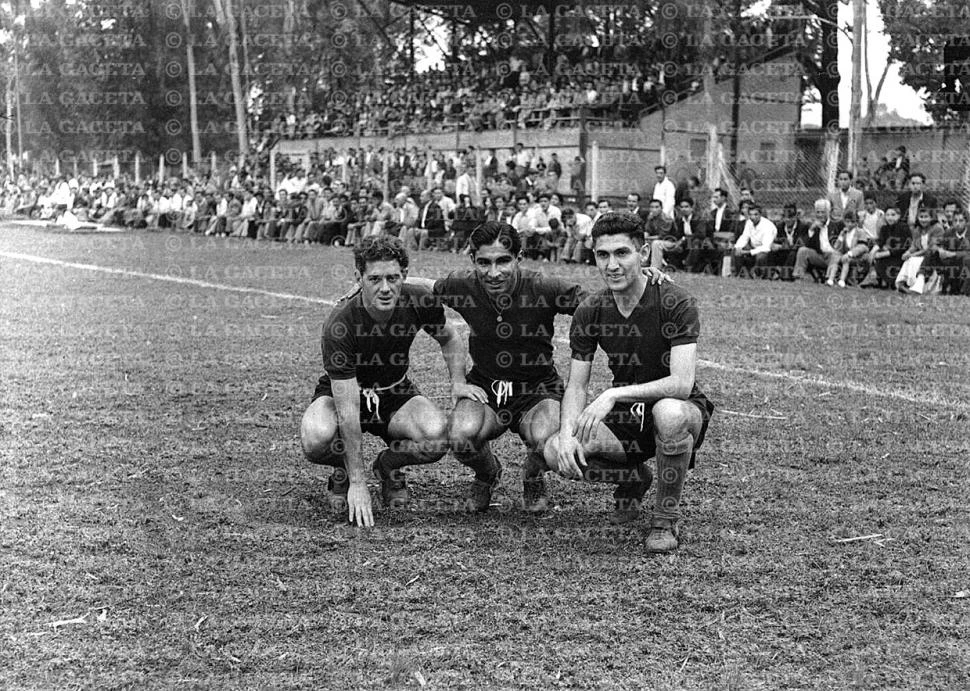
(464, 433)
(316, 437)
(432, 438)
(671, 418)
(550, 451)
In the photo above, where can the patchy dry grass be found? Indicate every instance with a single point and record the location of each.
(158, 526)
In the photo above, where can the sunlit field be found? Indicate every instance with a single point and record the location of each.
(160, 528)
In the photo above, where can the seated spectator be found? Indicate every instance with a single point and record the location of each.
(431, 228)
(954, 256)
(792, 235)
(854, 244)
(818, 251)
(296, 216)
(887, 252)
(694, 230)
(752, 250)
(522, 219)
(577, 229)
(536, 239)
(658, 223)
(924, 244)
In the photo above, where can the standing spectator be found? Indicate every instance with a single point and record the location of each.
(871, 217)
(541, 215)
(431, 222)
(467, 218)
(665, 191)
(845, 197)
(405, 216)
(467, 185)
(752, 251)
(910, 202)
(577, 177)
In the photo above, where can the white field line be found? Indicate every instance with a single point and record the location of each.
(734, 369)
(162, 277)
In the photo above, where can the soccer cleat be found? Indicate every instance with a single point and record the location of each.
(830, 283)
(663, 536)
(841, 284)
(480, 493)
(534, 498)
(628, 497)
(394, 486)
(338, 484)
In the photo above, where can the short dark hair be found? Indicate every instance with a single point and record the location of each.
(754, 206)
(918, 175)
(663, 168)
(567, 212)
(849, 215)
(689, 200)
(655, 201)
(843, 171)
(544, 195)
(490, 232)
(521, 198)
(634, 194)
(869, 195)
(379, 248)
(619, 223)
(721, 191)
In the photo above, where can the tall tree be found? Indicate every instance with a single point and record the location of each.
(226, 18)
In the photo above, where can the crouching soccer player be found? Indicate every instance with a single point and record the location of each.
(654, 408)
(366, 343)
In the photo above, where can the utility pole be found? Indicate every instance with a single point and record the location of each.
(736, 90)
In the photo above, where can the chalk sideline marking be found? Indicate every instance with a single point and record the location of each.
(814, 381)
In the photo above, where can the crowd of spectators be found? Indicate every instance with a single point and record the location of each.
(914, 244)
(517, 93)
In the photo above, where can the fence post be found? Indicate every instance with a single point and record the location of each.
(94, 166)
(185, 165)
(161, 168)
(594, 172)
(272, 169)
(116, 167)
(137, 167)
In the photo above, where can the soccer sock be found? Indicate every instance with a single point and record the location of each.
(483, 462)
(600, 470)
(673, 458)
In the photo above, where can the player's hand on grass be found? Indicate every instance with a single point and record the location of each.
(594, 414)
(655, 276)
(358, 505)
(470, 391)
(571, 457)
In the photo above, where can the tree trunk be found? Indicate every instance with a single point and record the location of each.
(828, 85)
(188, 7)
(855, 107)
(8, 125)
(225, 17)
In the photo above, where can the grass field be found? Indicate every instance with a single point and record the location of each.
(159, 527)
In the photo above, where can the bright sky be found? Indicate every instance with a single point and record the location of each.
(901, 98)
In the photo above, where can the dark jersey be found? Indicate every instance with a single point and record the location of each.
(638, 346)
(511, 337)
(377, 353)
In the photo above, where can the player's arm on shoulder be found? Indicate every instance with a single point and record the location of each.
(346, 396)
(420, 281)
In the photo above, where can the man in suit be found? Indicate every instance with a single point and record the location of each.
(818, 250)
(792, 234)
(910, 202)
(633, 207)
(846, 197)
(431, 221)
(694, 231)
